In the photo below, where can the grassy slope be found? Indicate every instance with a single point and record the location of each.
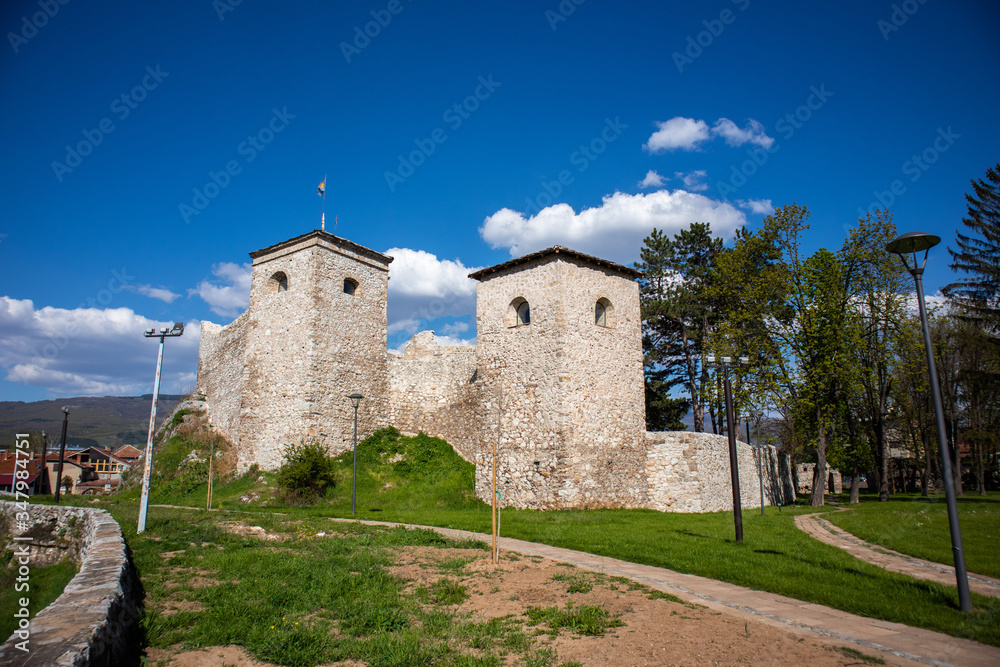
(431, 485)
(45, 585)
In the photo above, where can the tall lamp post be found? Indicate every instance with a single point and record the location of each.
(912, 243)
(355, 401)
(725, 363)
(62, 453)
(178, 330)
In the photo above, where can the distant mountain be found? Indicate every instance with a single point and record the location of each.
(107, 420)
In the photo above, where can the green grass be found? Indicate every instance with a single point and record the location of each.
(45, 585)
(584, 620)
(919, 527)
(421, 480)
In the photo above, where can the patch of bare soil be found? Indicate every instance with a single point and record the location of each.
(656, 630)
(243, 530)
(217, 656)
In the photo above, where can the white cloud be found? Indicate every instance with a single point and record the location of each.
(454, 328)
(760, 206)
(160, 293)
(423, 287)
(230, 294)
(678, 132)
(694, 180)
(615, 229)
(652, 180)
(753, 133)
(87, 351)
(688, 134)
(454, 341)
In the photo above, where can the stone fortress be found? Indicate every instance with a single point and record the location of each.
(555, 380)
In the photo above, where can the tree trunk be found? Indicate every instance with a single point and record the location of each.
(855, 486)
(819, 479)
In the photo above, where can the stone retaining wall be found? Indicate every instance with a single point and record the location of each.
(689, 472)
(89, 624)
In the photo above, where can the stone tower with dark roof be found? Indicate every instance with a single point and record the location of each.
(315, 331)
(559, 356)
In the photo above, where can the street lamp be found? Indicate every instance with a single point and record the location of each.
(62, 453)
(725, 363)
(912, 243)
(178, 330)
(355, 401)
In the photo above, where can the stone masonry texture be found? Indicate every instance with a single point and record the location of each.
(90, 623)
(555, 383)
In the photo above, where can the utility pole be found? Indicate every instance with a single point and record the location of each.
(62, 453)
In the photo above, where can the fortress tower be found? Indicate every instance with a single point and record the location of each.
(559, 356)
(315, 331)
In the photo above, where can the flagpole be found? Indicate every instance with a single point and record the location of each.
(322, 218)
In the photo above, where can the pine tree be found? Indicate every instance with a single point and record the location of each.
(979, 255)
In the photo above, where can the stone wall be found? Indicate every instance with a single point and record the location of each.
(805, 472)
(432, 389)
(220, 373)
(562, 397)
(91, 622)
(689, 472)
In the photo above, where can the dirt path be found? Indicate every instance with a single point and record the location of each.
(893, 561)
(896, 643)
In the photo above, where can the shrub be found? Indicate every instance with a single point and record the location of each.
(306, 473)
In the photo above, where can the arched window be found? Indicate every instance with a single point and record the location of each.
(350, 286)
(278, 283)
(519, 313)
(604, 314)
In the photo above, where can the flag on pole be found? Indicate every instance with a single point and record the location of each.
(321, 190)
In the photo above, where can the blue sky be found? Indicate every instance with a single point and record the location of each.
(148, 147)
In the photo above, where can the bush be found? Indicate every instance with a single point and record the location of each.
(306, 473)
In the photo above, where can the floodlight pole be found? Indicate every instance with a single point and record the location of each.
(178, 330)
(43, 477)
(62, 453)
(913, 242)
(355, 401)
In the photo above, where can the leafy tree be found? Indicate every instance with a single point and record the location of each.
(677, 311)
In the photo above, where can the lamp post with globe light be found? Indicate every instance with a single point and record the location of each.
(912, 243)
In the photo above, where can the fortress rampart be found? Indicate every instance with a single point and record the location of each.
(555, 381)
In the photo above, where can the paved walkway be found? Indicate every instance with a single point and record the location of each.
(898, 644)
(824, 531)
